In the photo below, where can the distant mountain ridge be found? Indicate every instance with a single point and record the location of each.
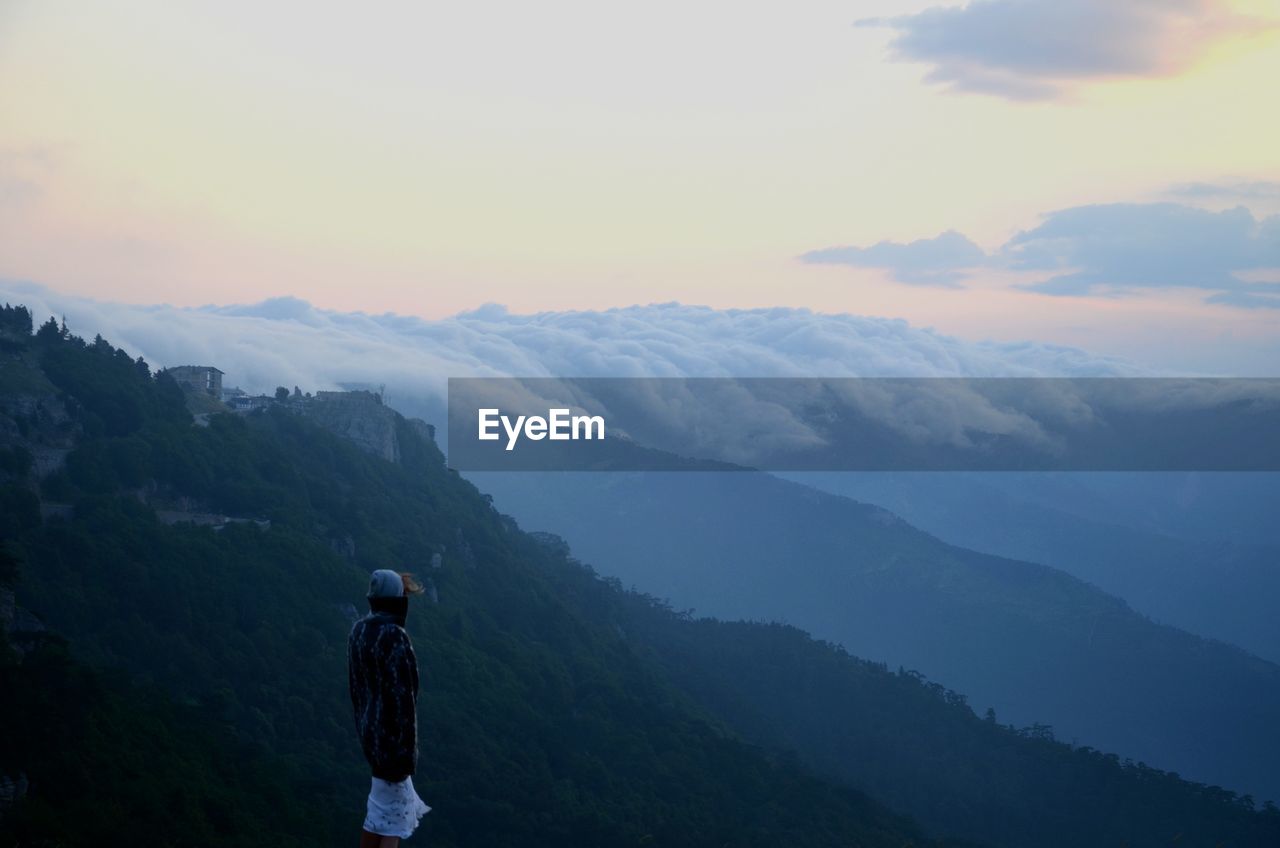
(1099, 532)
(1033, 642)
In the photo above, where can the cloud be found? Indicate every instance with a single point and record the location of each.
(1037, 49)
(1236, 190)
(1258, 296)
(940, 261)
(287, 341)
(1110, 249)
(1120, 247)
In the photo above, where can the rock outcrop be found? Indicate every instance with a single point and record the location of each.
(34, 418)
(361, 418)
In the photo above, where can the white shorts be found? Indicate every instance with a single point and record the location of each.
(394, 809)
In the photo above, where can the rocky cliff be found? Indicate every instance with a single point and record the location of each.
(361, 418)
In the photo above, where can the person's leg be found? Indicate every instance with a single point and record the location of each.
(376, 840)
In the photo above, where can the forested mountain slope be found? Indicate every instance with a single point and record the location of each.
(556, 709)
(87, 758)
(538, 727)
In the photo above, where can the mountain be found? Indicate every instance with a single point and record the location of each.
(204, 571)
(538, 728)
(1149, 548)
(917, 746)
(1194, 506)
(1038, 645)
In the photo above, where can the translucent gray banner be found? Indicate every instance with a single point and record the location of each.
(864, 424)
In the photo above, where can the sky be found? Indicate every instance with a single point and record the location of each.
(1103, 174)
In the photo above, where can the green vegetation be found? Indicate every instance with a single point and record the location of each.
(919, 747)
(15, 326)
(539, 728)
(104, 759)
(557, 709)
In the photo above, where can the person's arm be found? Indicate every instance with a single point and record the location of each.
(402, 703)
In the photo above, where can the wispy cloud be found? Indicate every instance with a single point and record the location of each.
(1230, 190)
(1119, 247)
(1038, 49)
(944, 260)
(1108, 249)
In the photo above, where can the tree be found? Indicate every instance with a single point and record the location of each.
(282, 393)
(15, 321)
(49, 331)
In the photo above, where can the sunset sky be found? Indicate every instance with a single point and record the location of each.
(1100, 173)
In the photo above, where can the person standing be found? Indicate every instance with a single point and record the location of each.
(383, 677)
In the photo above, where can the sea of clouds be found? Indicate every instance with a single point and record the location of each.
(288, 342)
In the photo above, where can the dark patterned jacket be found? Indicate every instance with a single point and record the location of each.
(383, 675)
